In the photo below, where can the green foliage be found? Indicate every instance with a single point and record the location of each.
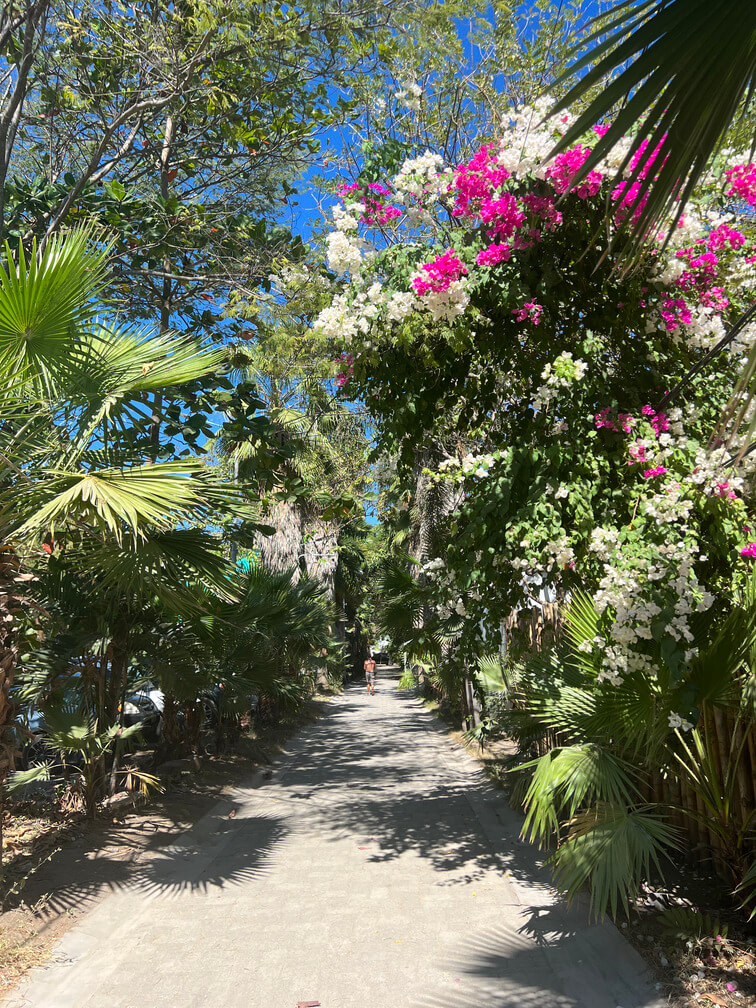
(683, 922)
(683, 71)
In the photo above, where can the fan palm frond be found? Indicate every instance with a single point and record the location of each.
(45, 299)
(570, 778)
(684, 68)
(612, 847)
(157, 495)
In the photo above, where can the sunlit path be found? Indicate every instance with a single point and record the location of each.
(375, 867)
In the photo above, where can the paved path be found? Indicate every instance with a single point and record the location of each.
(375, 867)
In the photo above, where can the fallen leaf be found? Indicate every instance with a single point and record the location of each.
(715, 1000)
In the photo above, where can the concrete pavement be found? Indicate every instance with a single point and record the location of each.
(376, 867)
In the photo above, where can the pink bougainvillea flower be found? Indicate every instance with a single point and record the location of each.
(544, 208)
(675, 313)
(494, 254)
(601, 419)
(637, 453)
(373, 196)
(439, 274)
(476, 181)
(723, 490)
(742, 179)
(724, 235)
(659, 421)
(658, 471)
(566, 165)
(530, 310)
(749, 551)
(626, 421)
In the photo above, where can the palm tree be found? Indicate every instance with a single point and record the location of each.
(685, 69)
(322, 450)
(74, 393)
(590, 789)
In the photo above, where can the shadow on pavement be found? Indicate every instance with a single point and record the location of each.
(218, 853)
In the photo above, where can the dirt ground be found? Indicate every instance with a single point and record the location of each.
(57, 866)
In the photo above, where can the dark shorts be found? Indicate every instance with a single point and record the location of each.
(370, 676)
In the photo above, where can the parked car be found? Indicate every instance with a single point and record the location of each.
(145, 708)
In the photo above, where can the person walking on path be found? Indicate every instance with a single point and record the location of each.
(370, 675)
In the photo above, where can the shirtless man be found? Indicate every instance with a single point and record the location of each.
(370, 675)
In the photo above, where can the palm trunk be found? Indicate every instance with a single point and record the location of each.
(10, 605)
(283, 550)
(321, 554)
(171, 730)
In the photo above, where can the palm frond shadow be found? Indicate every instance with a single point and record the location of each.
(501, 968)
(217, 854)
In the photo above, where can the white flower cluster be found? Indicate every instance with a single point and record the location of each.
(632, 588)
(344, 252)
(434, 568)
(445, 305)
(555, 554)
(561, 374)
(420, 183)
(526, 145)
(712, 467)
(676, 721)
(338, 321)
(475, 465)
(400, 305)
(559, 553)
(409, 96)
(348, 218)
(361, 315)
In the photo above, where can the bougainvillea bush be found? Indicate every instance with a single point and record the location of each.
(494, 296)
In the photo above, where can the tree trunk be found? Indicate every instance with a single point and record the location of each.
(171, 730)
(321, 554)
(283, 551)
(166, 294)
(10, 604)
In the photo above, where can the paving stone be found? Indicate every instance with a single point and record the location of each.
(375, 867)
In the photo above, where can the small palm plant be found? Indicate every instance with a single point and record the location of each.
(74, 459)
(589, 792)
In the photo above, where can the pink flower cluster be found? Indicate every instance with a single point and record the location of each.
(749, 551)
(625, 420)
(476, 181)
(658, 421)
(658, 471)
(698, 282)
(723, 235)
(565, 166)
(724, 490)
(530, 310)
(494, 254)
(701, 272)
(742, 179)
(374, 196)
(347, 364)
(440, 274)
(675, 313)
(626, 193)
(544, 209)
(502, 215)
(637, 453)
